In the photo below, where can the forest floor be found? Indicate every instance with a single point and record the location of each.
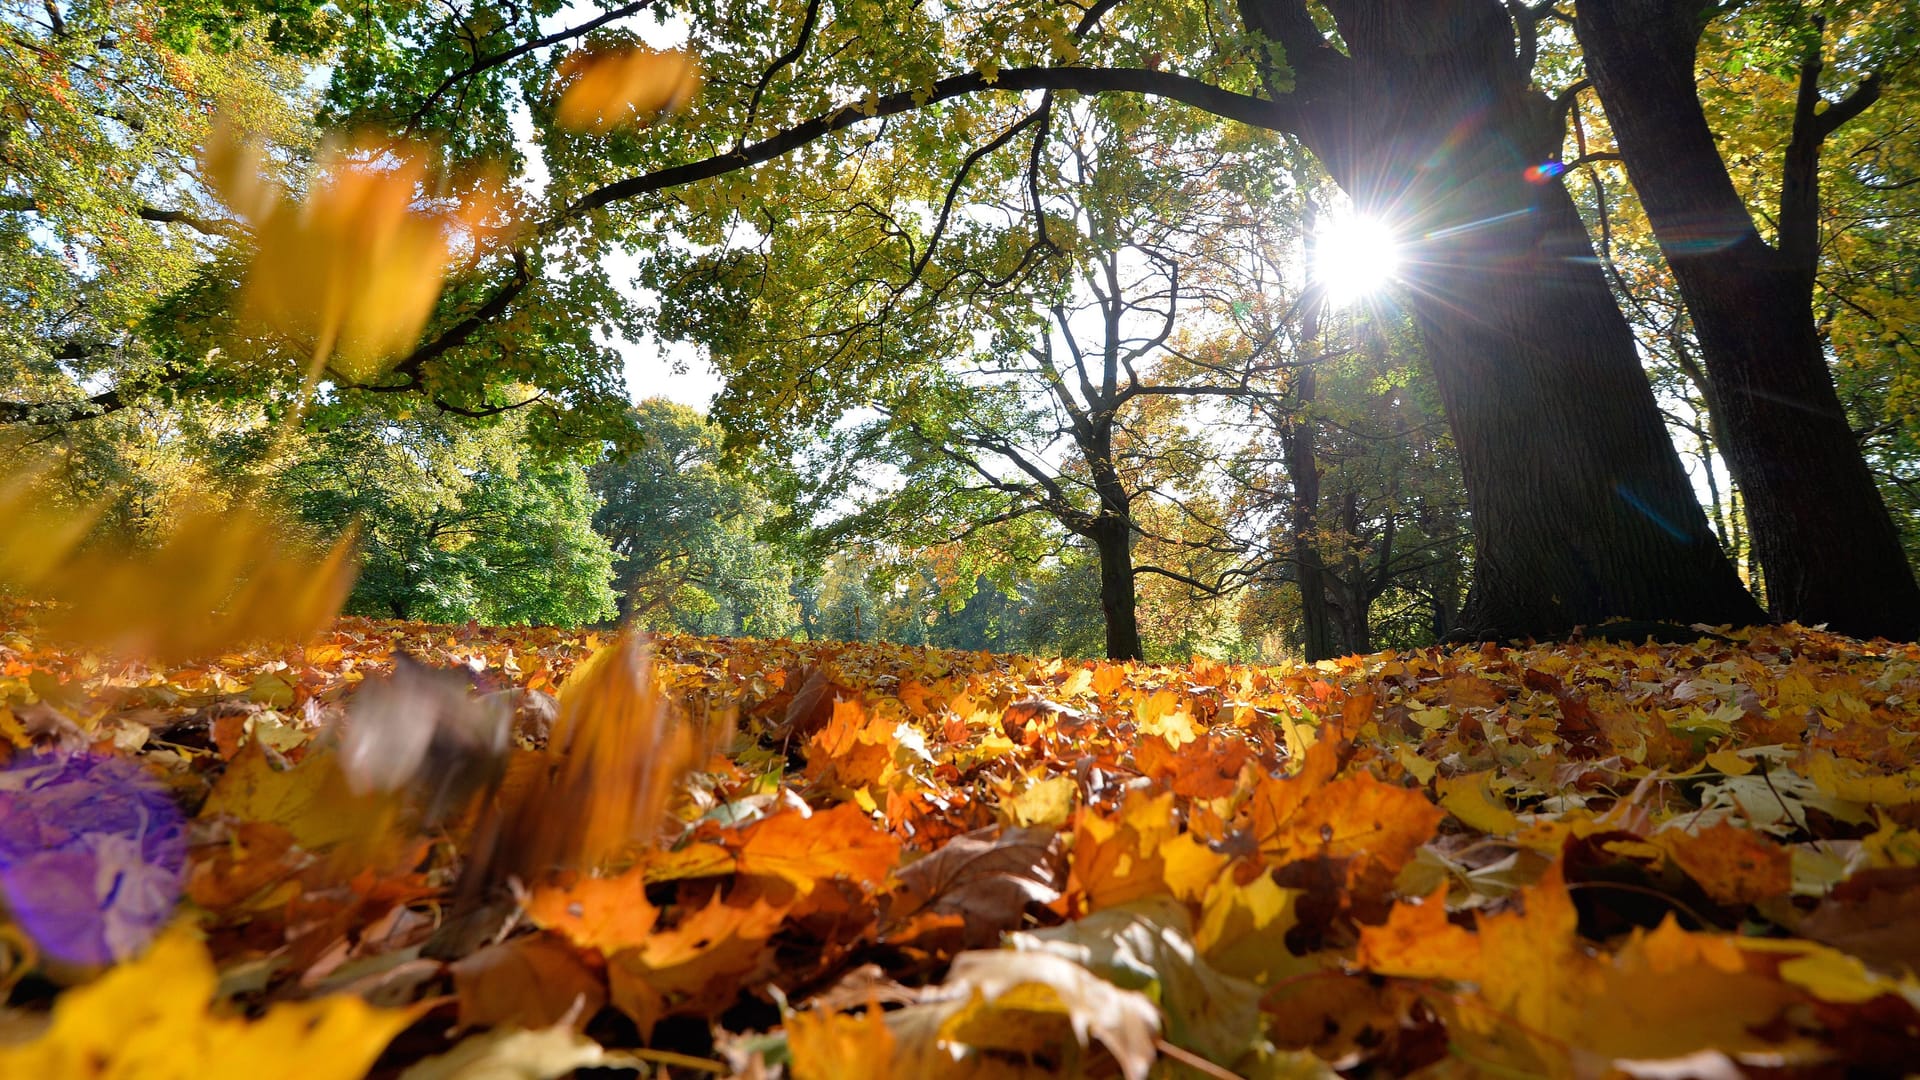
(1578, 859)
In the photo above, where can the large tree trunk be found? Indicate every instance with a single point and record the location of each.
(1303, 475)
(1112, 538)
(1581, 509)
(1822, 534)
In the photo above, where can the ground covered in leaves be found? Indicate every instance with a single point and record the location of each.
(1578, 859)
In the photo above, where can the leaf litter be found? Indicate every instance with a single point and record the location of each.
(405, 849)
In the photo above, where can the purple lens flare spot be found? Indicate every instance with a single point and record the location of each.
(92, 852)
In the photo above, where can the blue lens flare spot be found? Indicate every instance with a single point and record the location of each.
(1545, 171)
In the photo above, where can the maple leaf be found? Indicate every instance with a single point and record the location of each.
(986, 879)
(1140, 852)
(698, 967)
(836, 844)
(608, 914)
(532, 981)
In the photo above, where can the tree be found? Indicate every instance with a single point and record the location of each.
(100, 216)
(128, 268)
(1809, 493)
(1353, 476)
(1581, 510)
(1075, 408)
(456, 521)
(685, 532)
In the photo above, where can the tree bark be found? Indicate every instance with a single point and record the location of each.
(1823, 536)
(1581, 509)
(1112, 538)
(1303, 475)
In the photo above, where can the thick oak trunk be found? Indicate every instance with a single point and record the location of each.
(1820, 529)
(1113, 543)
(1581, 509)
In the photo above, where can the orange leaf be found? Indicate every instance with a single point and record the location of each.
(606, 89)
(1734, 865)
(841, 843)
(698, 967)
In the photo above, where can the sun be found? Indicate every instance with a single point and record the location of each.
(1351, 257)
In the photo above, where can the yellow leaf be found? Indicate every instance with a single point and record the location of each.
(1470, 798)
(151, 1019)
(355, 270)
(1043, 802)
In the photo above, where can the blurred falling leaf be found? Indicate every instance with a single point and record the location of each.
(608, 88)
(425, 731)
(212, 581)
(618, 753)
(151, 1019)
(354, 271)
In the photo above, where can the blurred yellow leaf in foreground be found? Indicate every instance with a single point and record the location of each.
(151, 1019)
(213, 581)
(607, 88)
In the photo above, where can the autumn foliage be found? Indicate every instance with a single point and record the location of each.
(390, 849)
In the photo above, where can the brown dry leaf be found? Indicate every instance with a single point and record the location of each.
(985, 878)
(1875, 915)
(606, 89)
(536, 980)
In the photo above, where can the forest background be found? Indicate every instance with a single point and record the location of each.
(1013, 312)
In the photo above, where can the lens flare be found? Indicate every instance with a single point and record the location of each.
(1352, 256)
(1543, 172)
